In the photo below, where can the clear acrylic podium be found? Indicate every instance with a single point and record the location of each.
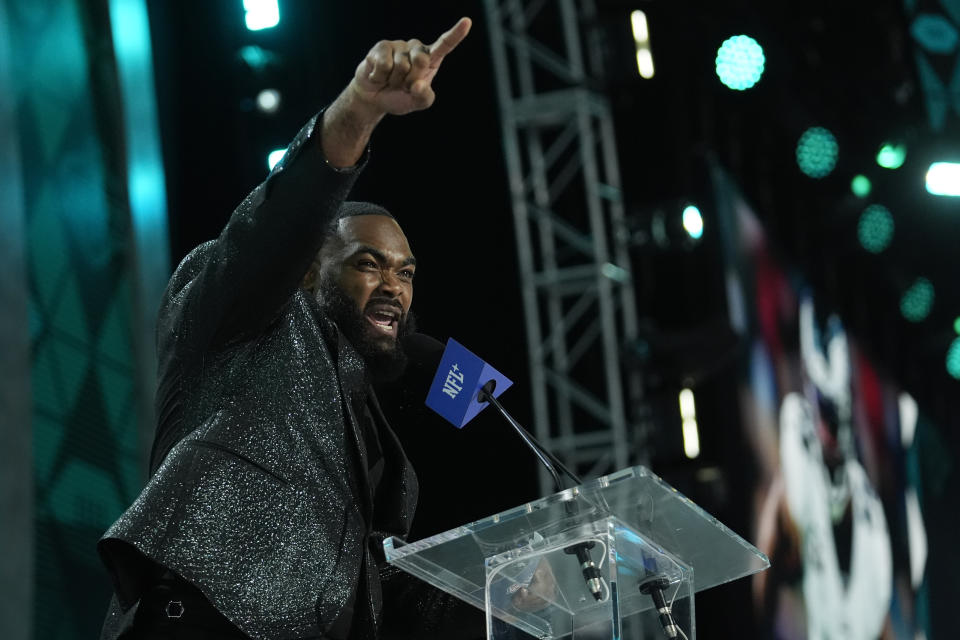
(517, 565)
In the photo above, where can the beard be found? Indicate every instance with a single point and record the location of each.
(385, 359)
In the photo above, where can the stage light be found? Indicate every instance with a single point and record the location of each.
(268, 100)
(891, 155)
(688, 408)
(943, 179)
(875, 228)
(641, 32)
(691, 434)
(917, 300)
(740, 62)
(953, 359)
(256, 58)
(274, 157)
(641, 37)
(693, 222)
(261, 14)
(691, 439)
(645, 63)
(956, 325)
(817, 152)
(861, 186)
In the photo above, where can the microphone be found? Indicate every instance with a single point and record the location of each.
(426, 352)
(422, 350)
(459, 376)
(459, 369)
(654, 588)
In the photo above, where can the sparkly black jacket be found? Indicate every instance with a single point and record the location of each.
(259, 493)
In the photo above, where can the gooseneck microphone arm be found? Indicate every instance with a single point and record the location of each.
(591, 574)
(546, 458)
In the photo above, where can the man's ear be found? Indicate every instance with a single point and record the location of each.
(311, 279)
(327, 252)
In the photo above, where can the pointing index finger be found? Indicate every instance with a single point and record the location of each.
(449, 40)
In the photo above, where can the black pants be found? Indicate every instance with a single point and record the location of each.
(176, 610)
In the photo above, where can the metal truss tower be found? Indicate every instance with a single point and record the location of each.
(568, 213)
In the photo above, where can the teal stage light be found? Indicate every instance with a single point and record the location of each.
(953, 359)
(257, 58)
(891, 155)
(740, 62)
(693, 222)
(943, 178)
(261, 14)
(917, 300)
(861, 186)
(875, 228)
(274, 157)
(817, 152)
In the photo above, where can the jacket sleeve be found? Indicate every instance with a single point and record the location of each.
(234, 285)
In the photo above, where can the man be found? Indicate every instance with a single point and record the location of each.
(274, 475)
(822, 519)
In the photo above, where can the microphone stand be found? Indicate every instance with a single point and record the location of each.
(591, 574)
(546, 458)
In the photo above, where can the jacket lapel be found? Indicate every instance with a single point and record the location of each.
(405, 491)
(352, 380)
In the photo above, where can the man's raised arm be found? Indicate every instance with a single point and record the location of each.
(238, 282)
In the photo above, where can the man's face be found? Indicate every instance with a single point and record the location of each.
(366, 285)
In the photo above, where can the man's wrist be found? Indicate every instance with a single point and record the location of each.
(346, 128)
(363, 109)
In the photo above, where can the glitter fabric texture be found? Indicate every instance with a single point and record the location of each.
(258, 493)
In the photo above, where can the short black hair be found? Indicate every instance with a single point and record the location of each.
(352, 208)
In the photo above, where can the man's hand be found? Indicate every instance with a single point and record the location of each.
(396, 78)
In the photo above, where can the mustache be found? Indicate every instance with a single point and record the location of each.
(382, 301)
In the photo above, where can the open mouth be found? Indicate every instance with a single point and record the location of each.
(384, 320)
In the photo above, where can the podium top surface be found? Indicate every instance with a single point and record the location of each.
(662, 519)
